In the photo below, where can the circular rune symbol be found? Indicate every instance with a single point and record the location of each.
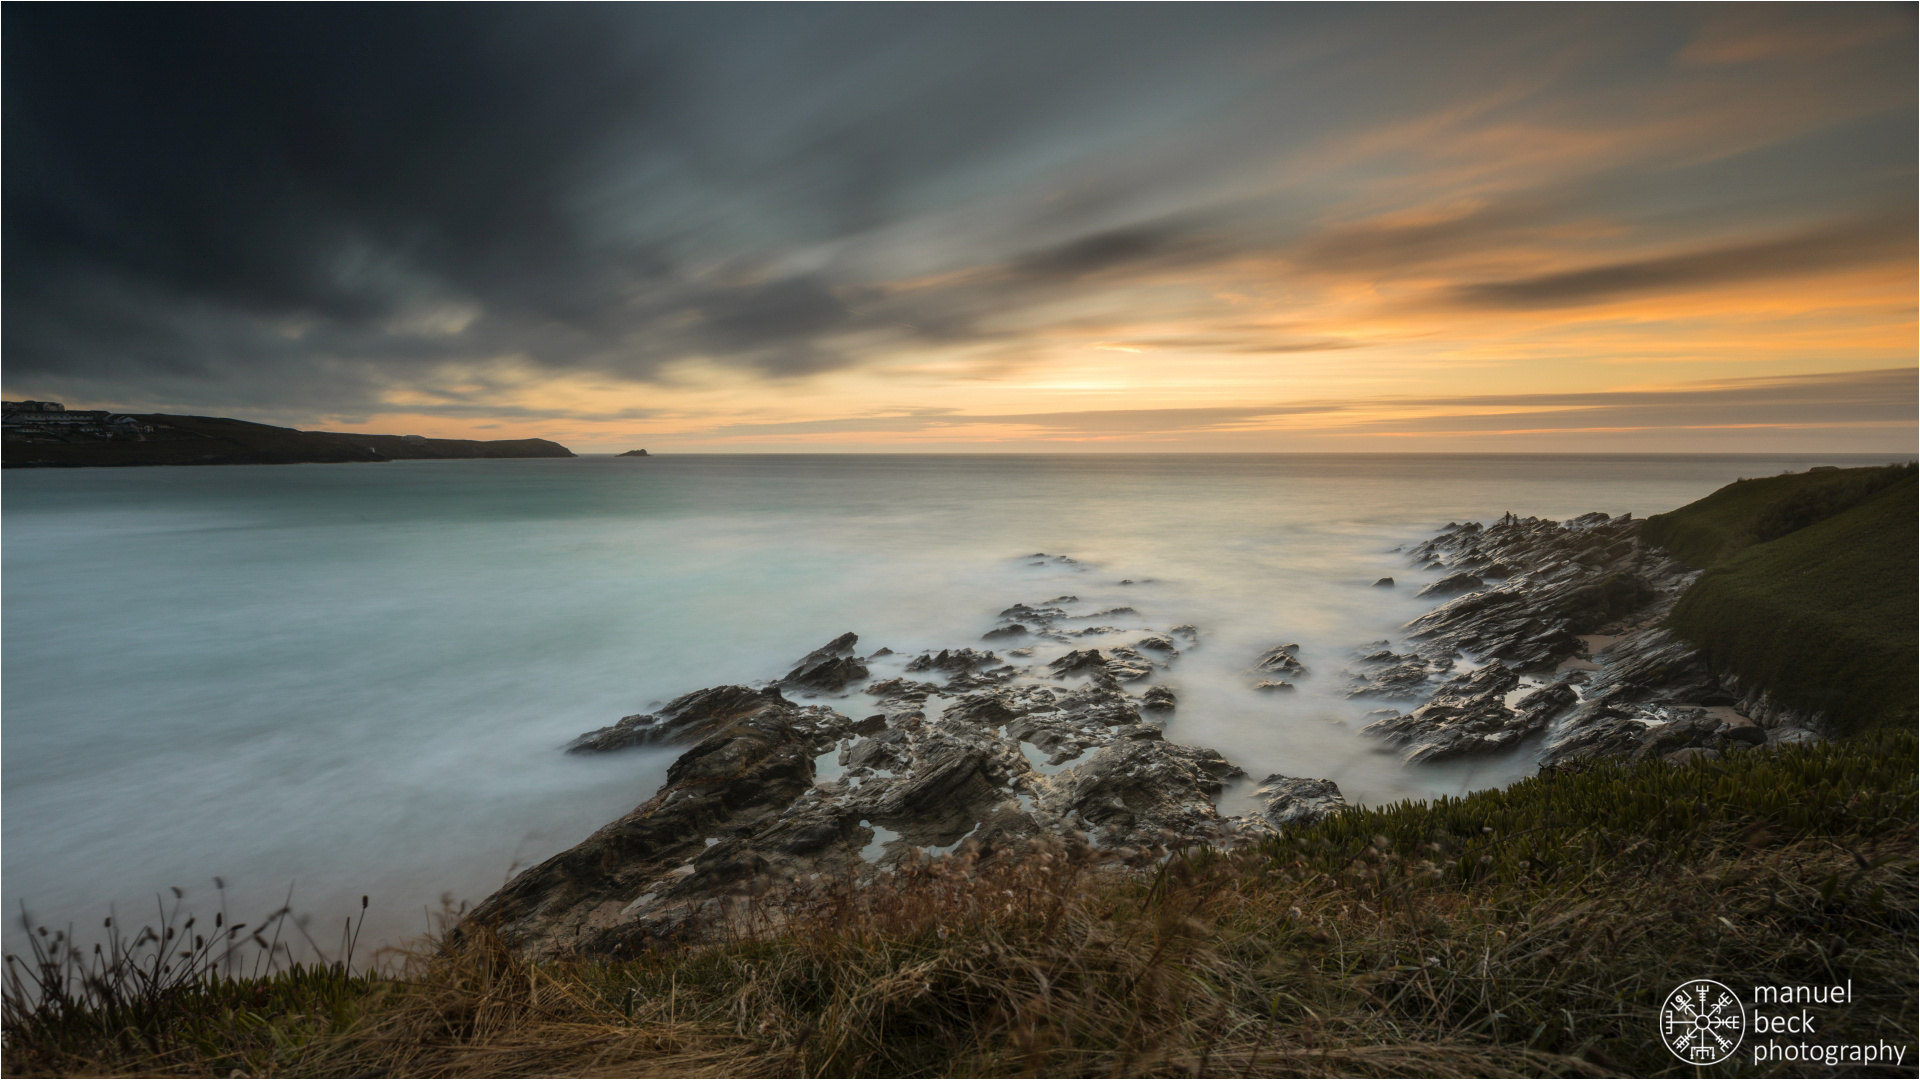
(1702, 1022)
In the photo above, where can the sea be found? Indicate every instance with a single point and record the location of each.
(326, 682)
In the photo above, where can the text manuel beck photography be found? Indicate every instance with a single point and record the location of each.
(1703, 1022)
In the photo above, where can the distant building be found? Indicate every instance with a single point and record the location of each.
(50, 421)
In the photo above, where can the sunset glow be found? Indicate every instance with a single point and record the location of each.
(1527, 229)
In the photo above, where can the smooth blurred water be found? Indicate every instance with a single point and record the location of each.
(355, 678)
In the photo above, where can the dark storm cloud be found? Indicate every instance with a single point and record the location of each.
(316, 206)
(1135, 248)
(1873, 240)
(229, 193)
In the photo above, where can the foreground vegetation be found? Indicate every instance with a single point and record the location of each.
(1527, 931)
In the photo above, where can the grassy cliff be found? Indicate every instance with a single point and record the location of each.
(1809, 589)
(1748, 512)
(217, 440)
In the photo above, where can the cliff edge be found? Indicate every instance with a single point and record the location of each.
(45, 435)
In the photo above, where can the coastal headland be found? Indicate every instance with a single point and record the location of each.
(990, 859)
(44, 434)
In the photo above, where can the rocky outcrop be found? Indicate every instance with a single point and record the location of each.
(774, 797)
(1644, 693)
(828, 669)
(685, 719)
(1287, 800)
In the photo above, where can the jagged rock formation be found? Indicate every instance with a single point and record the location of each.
(1288, 800)
(1537, 672)
(775, 797)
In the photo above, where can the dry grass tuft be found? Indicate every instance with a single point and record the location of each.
(1524, 932)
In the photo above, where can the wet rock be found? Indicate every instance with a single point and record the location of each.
(1468, 714)
(1562, 579)
(840, 646)
(686, 719)
(1079, 662)
(1128, 665)
(1268, 686)
(828, 676)
(1452, 584)
(955, 661)
(1140, 790)
(741, 775)
(1379, 672)
(902, 689)
(829, 668)
(1011, 631)
(1384, 583)
(1287, 800)
(1158, 699)
(1187, 633)
(1159, 643)
(1281, 660)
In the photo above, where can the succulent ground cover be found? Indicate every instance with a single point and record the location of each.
(1526, 931)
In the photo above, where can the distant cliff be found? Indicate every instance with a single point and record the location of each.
(42, 435)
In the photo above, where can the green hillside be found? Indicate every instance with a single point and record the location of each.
(1822, 614)
(1748, 512)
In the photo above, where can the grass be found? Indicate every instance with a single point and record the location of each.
(1748, 512)
(1530, 931)
(1823, 617)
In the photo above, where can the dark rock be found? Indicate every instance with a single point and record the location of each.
(1015, 630)
(1138, 790)
(1287, 800)
(1281, 660)
(1158, 699)
(1079, 662)
(1468, 714)
(634, 453)
(1159, 643)
(1384, 583)
(902, 690)
(1268, 686)
(1377, 671)
(1128, 665)
(1451, 584)
(956, 661)
(828, 676)
(685, 719)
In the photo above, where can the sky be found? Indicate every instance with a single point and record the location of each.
(1084, 227)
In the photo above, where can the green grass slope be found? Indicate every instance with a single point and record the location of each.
(1748, 512)
(1823, 616)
